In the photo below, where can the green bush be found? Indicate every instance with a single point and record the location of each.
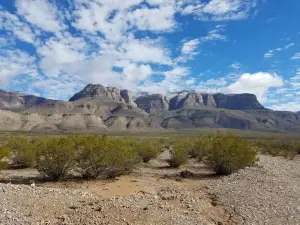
(287, 149)
(297, 146)
(147, 150)
(108, 157)
(4, 154)
(89, 155)
(200, 147)
(118, 158)
(230, 153)
(23, 151)
(55, 157)
(179, 156)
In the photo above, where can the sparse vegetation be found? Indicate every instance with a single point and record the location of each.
(91, 156)
(4, 154)
(179, 155)
(23, 150)
(55, 157)
(230, 153)
(96, 155)
(200, 148)
(287, 149)
(147, 149)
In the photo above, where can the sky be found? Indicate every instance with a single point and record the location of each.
(53, 48)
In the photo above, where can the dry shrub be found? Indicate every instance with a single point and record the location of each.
(108, 157)
(287, 149)
(179, 156)
(23, 150)
(55, 157)
(200, 147)
(230, 153)
(147, 149)
(4, 154)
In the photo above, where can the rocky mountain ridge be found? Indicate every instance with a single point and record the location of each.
(100, 108)
(189, 99)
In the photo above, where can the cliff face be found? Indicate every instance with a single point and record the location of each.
(234, 102)
(237, 101)
(153, 102)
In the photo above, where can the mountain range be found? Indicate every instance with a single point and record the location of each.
(100, 108)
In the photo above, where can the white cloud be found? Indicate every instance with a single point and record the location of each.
(21, 30)
(257, 83)
(215, 34)
(214, 82)
(189, 47)
(221, 9)
(145, 51)
(296, 56)
(235, 66)
(14, 63)
(41, 13)
(154, 19)
(134, 73)
(272, 52)
(290, 106)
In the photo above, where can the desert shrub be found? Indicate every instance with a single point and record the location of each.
(4, 154)
(118, 158)
(200, 147)
(105, 156)
(23, 150)
(179, 155)
(287, 149)
(147, 149)
(55, 157)
(89, 155)
(297, 146)
(230, 153)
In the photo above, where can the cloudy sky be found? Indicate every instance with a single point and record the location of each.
(53, 48)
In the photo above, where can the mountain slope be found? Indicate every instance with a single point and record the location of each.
(99, 108)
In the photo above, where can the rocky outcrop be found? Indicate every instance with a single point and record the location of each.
(98, 91)
(152, 102)
(191, 100)
(105, 93)
(128, 97)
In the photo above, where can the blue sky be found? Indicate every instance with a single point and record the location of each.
(54, 48)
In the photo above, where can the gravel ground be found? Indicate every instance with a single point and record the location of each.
(148, 196)
(266, 194)
(22, 204)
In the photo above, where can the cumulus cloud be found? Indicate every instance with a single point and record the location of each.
(257, 83)
(41, 13)
(117, 43)
(154, 19)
